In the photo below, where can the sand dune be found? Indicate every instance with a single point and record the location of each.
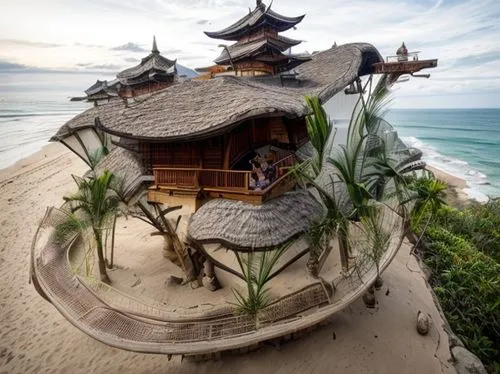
(35, 338)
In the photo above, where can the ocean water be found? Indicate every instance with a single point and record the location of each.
(462, 142)
(32, 108)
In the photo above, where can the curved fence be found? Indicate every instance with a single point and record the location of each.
(125, 322)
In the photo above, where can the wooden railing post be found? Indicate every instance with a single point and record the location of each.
(197, 178)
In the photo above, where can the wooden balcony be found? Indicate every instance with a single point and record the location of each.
(231, 184)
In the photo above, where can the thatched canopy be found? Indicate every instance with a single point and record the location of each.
(259, 17)
(198, 109)
(245, 226)
(87, 118)
(125, 166)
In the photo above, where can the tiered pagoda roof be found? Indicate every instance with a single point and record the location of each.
(259, 47)
(102, 90)
(239, 50)
(154, 67)
(260, 17)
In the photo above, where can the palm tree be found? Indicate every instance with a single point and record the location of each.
(319, 129)
(96, 204)
(372, 159)
(428, 196)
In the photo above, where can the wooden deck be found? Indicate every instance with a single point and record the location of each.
(403, 67)
(231, 184)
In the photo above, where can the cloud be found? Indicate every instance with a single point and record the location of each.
(9, 66)
(30, 43)
(131, 47)
(171, 52)
(131, 59)
(88, 45)
(104, 67)
(463, 34)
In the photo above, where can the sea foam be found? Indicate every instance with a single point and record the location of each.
(475, 179)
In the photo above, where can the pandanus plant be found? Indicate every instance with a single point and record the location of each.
(257, 272)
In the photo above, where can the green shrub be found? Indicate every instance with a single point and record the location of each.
(467, 283)
(479, 223)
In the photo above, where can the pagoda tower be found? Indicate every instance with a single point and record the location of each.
(154, 73)
(259, 49)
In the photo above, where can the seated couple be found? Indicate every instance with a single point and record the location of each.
(263, 174)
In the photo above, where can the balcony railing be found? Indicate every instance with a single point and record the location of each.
(205, 178)
(232, 181)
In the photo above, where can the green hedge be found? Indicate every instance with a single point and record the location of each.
(466, 278)
(480, 224)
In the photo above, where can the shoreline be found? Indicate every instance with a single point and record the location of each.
(456, 194)
(37, 338)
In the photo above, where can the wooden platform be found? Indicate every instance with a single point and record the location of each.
(403, 67)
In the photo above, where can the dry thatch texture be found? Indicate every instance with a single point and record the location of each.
(197, 109)
(242, 49)
(87, 119)
(153, 62)
(245, 226)
(124, 165)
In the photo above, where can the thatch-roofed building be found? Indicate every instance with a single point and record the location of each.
(224, 146)
(102, 91)
(155, 72)
(259, 47)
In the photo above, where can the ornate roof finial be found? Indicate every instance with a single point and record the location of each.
(155, 47)
(259, 3)
(402, 51)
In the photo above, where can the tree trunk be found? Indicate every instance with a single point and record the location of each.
(110, 265)
(344, 246)
(100, 255)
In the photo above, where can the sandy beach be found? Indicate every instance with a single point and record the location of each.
(35, 338)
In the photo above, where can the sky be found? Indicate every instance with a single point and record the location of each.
(98, 38)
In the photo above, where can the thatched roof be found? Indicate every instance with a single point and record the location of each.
(153, 64)
(198, 109)
(105, 87)
(245, 226)
(261, 16)
(240, 51)
(87, 118)
(126, 166)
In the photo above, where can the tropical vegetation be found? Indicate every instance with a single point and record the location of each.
(462, 250)
(94, 206)
(371, 168)
(257, 272)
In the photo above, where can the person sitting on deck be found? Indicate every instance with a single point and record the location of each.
(261, 182)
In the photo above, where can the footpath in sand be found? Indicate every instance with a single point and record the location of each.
(35, 338)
